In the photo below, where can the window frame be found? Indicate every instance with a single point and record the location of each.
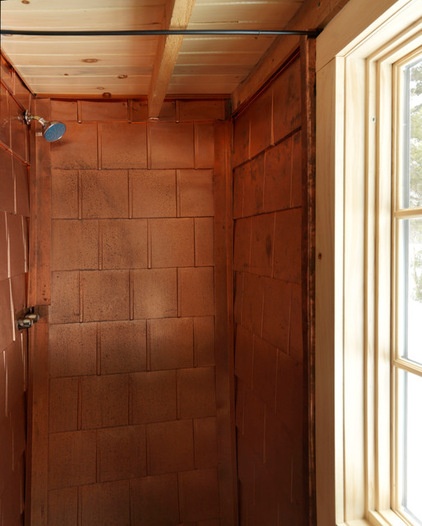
(400, 213)
(355, 80)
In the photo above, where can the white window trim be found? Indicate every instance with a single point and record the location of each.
(350, 277)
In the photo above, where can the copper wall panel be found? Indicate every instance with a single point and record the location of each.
(270, 255)
(7, 192)
(147, 496)
(133, 423)
(123, 145)
(14, 213)
(153, 193)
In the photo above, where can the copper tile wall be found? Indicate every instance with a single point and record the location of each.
(14, 213)
(269, 362)
(132, 413)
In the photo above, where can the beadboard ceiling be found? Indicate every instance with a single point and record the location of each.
(139, 66)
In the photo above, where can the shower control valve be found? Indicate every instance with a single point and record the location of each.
(28, 320)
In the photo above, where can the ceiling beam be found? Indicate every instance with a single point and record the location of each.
(167, 57)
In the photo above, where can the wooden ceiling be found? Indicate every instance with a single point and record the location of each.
(139, 66)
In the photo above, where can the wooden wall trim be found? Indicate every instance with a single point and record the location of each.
(40, 222)
(224, 349)
(39, 296)
(37, 478)
(329, 291)
(308, 60)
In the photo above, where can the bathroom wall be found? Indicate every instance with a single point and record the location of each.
(127, 423)
(272, 245)
(14, 213)
(133, 425)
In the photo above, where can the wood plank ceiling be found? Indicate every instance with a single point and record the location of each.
(139, 66)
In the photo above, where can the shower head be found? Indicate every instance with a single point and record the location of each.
(52, 131)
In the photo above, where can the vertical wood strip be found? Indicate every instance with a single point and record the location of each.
(39, 294)
(328, 295)
(38, 393)
(308, 81)
(224, 320)
(40, 225)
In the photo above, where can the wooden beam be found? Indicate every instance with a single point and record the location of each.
(167, 57)
(312, 15)
(224, 323)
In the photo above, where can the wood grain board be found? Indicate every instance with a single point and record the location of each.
(150, 67)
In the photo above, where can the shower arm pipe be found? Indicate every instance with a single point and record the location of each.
(27, 117)
(312, 33)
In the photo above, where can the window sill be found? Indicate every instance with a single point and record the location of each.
(385, 518)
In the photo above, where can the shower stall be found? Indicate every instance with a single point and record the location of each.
(169, 266)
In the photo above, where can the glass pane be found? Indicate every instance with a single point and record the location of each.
(410, 287)
(410, 452)
(412, 131)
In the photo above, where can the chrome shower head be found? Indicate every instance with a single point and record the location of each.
(52, 131)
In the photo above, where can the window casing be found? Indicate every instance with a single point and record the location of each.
(356, 271)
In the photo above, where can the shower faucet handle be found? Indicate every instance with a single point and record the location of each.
(28, 319)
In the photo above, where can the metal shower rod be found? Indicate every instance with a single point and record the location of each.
(151, 32)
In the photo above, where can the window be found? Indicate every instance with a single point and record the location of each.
(407, 312)
(369, 266)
